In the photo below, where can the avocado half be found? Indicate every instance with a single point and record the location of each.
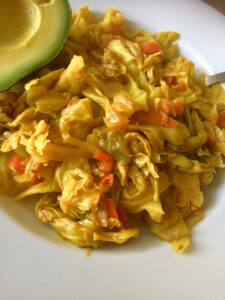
(32, 33)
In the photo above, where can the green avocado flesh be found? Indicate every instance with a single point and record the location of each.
(32, 33)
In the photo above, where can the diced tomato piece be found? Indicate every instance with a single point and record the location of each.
(151, 48)
(107, 166)
(122, 215)
(221, 119)
(37, 168)
(157, 118)
(111, 209)
(180, 86)
(102, 156)
(170, 80)
(166, 106)
(178, 105)
(211, 140)
(168, 121)
(107, 180)
(133, 120)
(16, 163)
(35, 180)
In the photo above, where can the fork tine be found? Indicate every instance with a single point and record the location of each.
(216, 78)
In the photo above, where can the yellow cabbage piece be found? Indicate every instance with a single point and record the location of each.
(78, 191)
(172, 228)
(77, 121)
(48, 185)
(140, 150)
(72, 78)
(51, 102)
(48, 212)
(38, 141)
(6, 181)
(138, 196)
(189, 197)
(116, 237)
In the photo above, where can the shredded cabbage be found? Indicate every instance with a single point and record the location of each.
(118, 125)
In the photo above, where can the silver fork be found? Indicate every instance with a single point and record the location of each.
(216, 78)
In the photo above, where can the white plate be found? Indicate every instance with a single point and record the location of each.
(36, 264)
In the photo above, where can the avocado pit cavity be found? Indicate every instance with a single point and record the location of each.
(19, 21)
(32, 33)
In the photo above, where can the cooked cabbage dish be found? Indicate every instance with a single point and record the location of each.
(117, 130)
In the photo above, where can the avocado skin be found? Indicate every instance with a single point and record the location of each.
(33, 63)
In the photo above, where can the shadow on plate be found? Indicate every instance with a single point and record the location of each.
(23, 213)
